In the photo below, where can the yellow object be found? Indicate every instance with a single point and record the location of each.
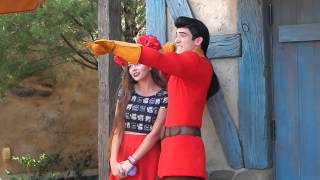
(168, 47)
(199, 51)
(6, 153)
(128, 51)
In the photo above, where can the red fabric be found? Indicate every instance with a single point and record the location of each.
(120, 61)
(147, 166)
(149, 41)
(190, 76)
(182, 156)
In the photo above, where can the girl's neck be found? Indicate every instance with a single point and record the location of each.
(146, 87)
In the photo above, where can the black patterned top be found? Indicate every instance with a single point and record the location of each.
(142, 111)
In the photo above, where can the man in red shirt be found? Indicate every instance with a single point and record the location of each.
(190, 74)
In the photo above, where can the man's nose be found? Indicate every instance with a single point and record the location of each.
(177, 40)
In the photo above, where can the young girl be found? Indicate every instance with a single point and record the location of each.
(139, 118)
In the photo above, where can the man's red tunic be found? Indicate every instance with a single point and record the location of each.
(190, 76)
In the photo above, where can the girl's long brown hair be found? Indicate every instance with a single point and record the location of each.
(124, 91)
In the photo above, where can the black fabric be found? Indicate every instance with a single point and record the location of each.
(214, 85)
(141, 111)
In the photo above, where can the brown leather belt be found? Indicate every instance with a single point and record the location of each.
(181, 130)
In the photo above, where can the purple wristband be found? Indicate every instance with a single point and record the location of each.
(132, 160)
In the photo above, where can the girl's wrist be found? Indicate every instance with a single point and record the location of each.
(132, 160)
(113, 161)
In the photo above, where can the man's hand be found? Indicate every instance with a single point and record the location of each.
(100, 47)
(130, 52)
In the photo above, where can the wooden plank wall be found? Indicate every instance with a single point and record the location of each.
(309, 99)
(296, 91)
(254, 116)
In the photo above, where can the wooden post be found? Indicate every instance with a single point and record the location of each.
(109, 28)
(253, 103)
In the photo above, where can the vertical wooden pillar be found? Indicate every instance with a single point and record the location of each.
(156, 19)
(109, 28)
(253, 101)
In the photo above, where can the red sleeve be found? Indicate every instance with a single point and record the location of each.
(184, 65)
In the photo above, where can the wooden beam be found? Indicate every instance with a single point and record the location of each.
(224, 46)
(227, 134)
(300, 32)
(156, 19)
(254, 116)
(109, 28)
(179, 8)
(226, 130)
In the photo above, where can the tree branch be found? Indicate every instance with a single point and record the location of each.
(84, 64)
(78, 52)
(80, 24)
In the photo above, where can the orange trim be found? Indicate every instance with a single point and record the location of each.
(11, 6)
(199, 52)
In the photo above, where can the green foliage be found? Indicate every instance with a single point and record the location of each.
(31, 42)
(38, 40)
(79, 161)
(133, 18)
(14, 71)
(37, 166)
(41, 166)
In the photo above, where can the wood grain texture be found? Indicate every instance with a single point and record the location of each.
(296, 97)
(254, 120)
(226, 130)
(299, 32)
(179, 8)
(156, 19)
(224, 46)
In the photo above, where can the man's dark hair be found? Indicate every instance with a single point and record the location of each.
(197, 29)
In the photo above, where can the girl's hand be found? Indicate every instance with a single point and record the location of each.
(126, 166)
(117, 170)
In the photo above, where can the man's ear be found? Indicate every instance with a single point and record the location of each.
(198, 41)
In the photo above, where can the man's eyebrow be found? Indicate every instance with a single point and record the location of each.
(181, 32)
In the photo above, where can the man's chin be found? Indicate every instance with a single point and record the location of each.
(179, 51)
